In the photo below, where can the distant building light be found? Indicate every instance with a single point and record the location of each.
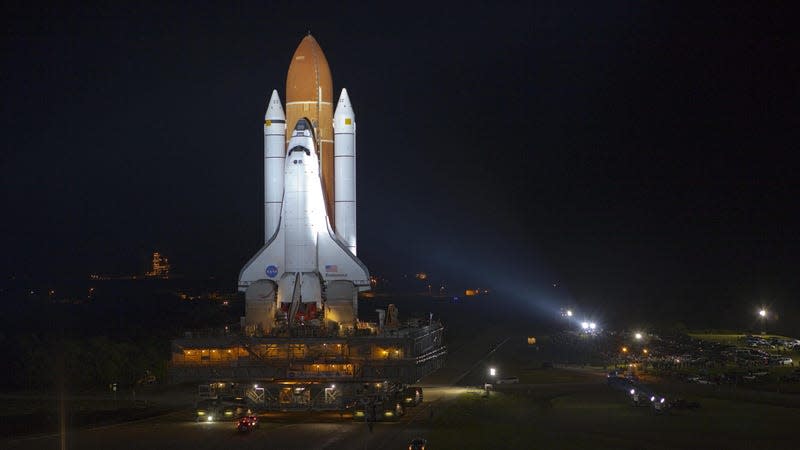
(160, 266)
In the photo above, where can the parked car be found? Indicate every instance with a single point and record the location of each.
(417, 444)
(412, 396)
(207, 411)
(247, 423)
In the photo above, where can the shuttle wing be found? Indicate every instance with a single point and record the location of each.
(336, 262)
(268, 263)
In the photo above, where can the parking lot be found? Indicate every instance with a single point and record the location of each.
(768, 363)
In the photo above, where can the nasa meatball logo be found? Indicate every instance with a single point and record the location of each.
(272, 271)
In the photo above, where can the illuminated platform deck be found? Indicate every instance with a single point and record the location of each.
(402, 355)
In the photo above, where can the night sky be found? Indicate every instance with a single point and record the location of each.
(640, 153)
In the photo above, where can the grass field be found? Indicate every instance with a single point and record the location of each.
(732, 339)
(571, 408)
(598, 417)
(545, 376)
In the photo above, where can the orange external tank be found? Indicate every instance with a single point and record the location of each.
(309, 94)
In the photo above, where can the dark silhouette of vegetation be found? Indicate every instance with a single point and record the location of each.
(120, 335)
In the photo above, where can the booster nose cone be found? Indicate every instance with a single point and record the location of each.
(274, 109)
(344, 111)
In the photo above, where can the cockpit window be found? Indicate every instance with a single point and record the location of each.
(299, 148)
(302, 124)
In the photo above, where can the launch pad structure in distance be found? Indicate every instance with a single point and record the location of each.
(301, 345)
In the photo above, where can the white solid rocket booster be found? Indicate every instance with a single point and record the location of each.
(344, 138)
(274, 154)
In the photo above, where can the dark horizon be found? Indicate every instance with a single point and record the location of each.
(634, 154)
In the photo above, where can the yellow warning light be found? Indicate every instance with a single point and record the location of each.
(348, 121)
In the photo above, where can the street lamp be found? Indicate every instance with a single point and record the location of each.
(763, 313)
(638, 336)
(492, 372)
(569, 313)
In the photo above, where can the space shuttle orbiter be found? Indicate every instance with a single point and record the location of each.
(307, 272)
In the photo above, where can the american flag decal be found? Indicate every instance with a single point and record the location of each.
(331, 268)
